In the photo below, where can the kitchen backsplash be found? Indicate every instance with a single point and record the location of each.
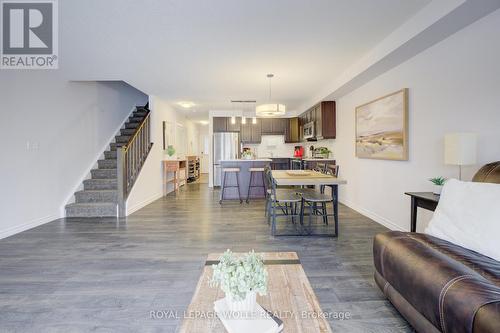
(275, 145)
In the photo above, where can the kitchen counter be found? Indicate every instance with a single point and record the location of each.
(317, 159)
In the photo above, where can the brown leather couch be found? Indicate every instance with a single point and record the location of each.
(439, 286)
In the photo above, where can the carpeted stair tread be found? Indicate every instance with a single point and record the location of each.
(104, 173)
(110, 155)
(94, 209)
(102, 196)
(122, 138)
(100, 184)
(107, 164)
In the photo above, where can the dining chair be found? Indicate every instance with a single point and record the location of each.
(316, 202)
(280, 202)
(330, 169)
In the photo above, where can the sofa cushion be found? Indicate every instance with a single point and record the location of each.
(446, 283)
(468, 214)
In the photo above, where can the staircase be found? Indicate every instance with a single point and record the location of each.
(100, 196)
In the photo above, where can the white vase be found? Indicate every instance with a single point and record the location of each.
(245, 305)
(437, 189)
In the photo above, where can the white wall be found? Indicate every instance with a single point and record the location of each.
(52, 132)
(149, 186)
(453, 86)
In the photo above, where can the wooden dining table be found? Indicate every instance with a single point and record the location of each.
(308, 178)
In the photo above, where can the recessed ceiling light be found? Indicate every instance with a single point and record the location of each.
(204, 122)
(186, 104)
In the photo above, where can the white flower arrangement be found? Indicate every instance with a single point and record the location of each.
(239, 276)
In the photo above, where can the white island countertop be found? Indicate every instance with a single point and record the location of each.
(246, 160)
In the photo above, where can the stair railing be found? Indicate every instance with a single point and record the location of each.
(130, 159)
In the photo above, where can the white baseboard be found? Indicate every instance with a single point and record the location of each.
(29, 225)
(143, 203)
(374, 216)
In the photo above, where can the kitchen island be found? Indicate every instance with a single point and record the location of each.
(244, 178)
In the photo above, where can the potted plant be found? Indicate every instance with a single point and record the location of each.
(438, 184)
(240, 278)
(170, 151)
(324, 151)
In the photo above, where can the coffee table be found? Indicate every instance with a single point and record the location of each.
(290, 297)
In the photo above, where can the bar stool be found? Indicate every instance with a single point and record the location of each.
(250, 186)
(236, 172)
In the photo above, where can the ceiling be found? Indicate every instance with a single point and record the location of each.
(210, 52)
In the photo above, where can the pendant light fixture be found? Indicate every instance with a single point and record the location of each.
(270, 109)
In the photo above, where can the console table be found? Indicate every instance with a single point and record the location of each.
(426, 200)
(175, 166)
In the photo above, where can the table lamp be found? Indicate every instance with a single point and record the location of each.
(460, 149)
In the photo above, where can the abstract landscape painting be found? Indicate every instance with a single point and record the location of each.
(382, 127)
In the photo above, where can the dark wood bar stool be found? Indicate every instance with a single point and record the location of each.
(261, 185)
(236, 172)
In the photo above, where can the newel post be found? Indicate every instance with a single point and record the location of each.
(121, 169)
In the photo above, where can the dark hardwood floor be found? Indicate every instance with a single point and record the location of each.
(105, 275)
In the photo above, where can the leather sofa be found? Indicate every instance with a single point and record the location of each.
(439, 286)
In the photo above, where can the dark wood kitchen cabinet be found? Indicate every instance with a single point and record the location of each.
(236, 127)
(224, 124)
(266, 125)
(250, 133)
(280, 163)
(279, 125)
(257, 132)
(292, 130)
(274, 126)
(220, 124)
(328, 120)
(324, 118)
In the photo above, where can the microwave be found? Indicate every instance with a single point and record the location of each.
(308, 131)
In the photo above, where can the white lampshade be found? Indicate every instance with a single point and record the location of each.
(460, 148)
(270, 110)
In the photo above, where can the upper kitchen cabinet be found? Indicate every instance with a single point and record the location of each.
(224, 124)
(266, 125)
(257, 132)
(220, 124)
(273, 126)
(323, 116)
(250, 133)
(280, 125)
(292, 130)
(236, 127)
(327, 122)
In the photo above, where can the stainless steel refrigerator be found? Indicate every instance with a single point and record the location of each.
(226, 147)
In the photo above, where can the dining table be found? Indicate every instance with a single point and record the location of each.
(311, 178)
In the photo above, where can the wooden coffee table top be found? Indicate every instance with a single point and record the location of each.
(289, 296)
